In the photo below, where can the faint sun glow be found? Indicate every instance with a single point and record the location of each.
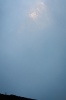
(36, 12)
(33, 15)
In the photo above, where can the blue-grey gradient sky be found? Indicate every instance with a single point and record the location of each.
(33, 48)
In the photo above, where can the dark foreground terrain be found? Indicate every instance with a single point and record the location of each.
(13, 97)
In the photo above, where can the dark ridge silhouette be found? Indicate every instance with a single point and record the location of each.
(13, 97)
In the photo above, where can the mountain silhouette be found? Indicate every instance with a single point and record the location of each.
(13, 97)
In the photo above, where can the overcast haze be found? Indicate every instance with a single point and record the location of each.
(33, 48)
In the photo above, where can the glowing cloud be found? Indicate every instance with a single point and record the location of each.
(41, 15)
(36, 12)
(38, 17)
(33, 15)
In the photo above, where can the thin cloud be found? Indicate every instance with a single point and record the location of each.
(40, 14)
(38, 17)
(36, 12)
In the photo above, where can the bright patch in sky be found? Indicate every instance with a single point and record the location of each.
(40, 14)
(36, 12)
(33, 15)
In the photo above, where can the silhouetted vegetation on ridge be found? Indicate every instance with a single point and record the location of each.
(13, 97)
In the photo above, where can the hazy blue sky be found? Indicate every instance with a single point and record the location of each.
(33, 51)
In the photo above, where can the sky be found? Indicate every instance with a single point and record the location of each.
(33, 48)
